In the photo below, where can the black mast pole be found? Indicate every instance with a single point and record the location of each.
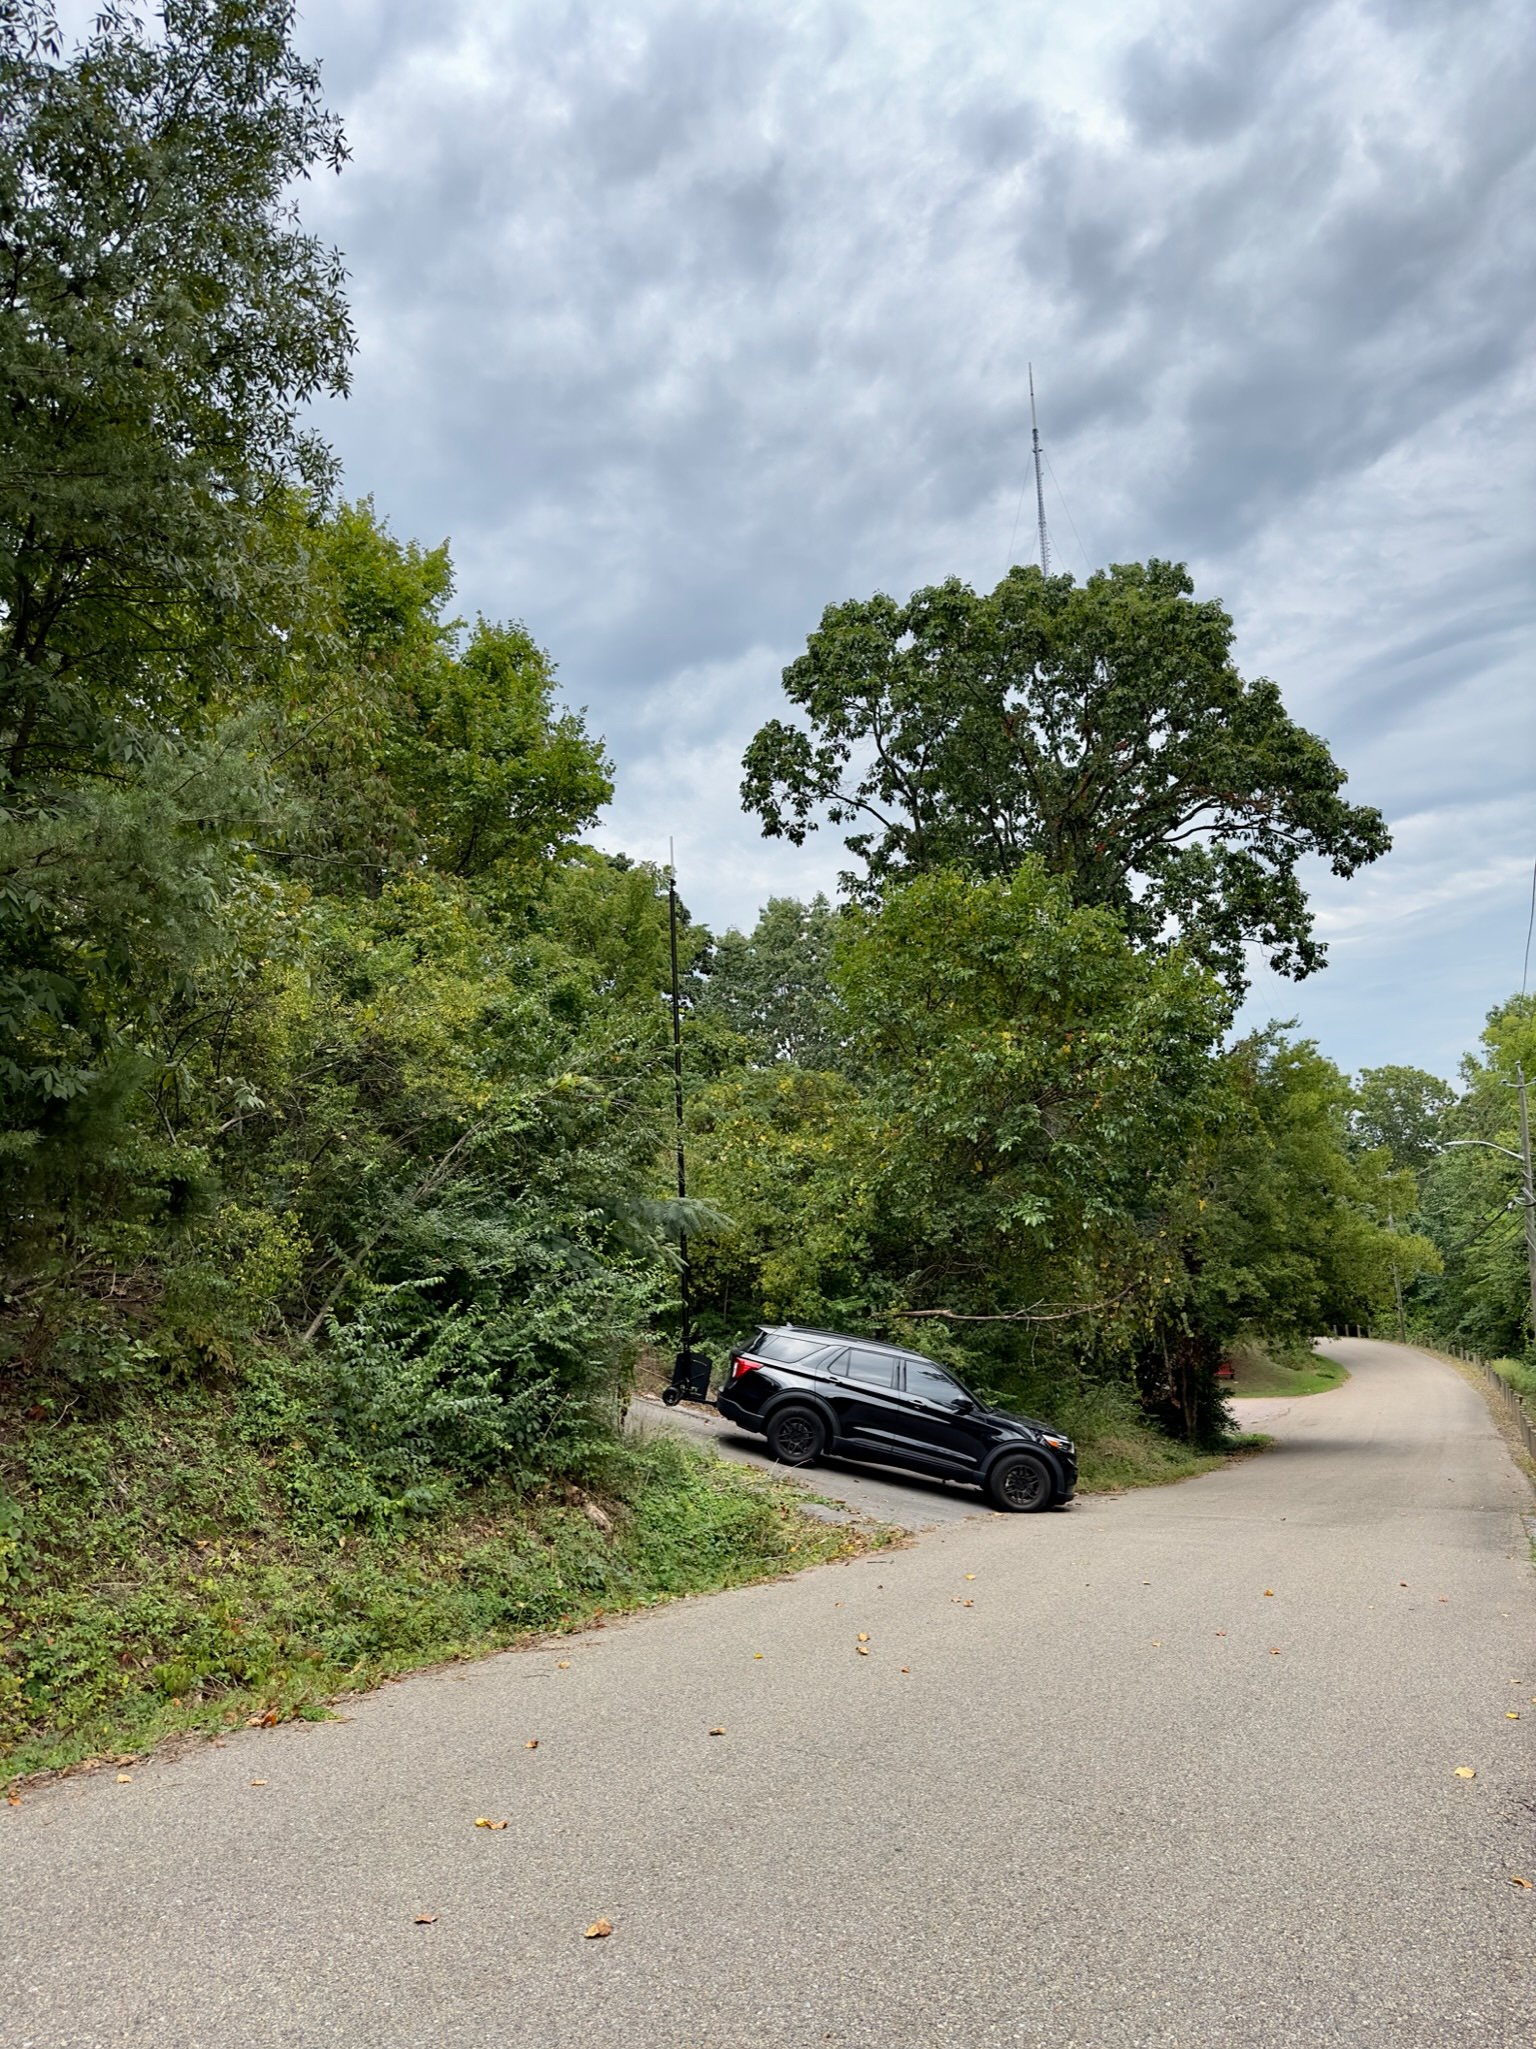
(686, 1275)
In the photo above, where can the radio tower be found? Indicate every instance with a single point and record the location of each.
(1034, 429)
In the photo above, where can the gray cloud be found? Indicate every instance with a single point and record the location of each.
(686, 319)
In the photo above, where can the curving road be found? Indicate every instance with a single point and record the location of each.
(1175, 1768)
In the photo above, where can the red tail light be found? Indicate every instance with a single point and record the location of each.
(742, 1364)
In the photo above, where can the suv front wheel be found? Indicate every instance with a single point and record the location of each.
(1020, 1483)
(796, 1436)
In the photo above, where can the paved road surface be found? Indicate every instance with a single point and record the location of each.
(1182, 1773)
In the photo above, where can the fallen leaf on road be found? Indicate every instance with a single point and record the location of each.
(757, 1654)
(1269, 1593)
(1157, 1643)
(425, 1920)
(123, 1779)
(1274, 1650)
(863, 1636)
(599, 1928)
(564, 1665)
(1465, 1771)
(906, 1668)
(1523, 1883)
(1221, 1632)
(13, 1799)
(258, 1782)
(1402, 1582)
(970, 1575)
(1511, 1714)
(482, 1822)
(532, 1743)
(862, 1649)
(717, 1732)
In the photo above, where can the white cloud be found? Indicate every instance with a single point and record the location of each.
(684, 319)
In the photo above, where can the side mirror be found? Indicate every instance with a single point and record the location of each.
(962, 1405)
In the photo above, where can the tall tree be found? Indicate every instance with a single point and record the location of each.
(1104, 727)
(163, 319)
(773, 985)
(1401, 1111)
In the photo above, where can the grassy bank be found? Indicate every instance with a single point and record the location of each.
(1258, 1372)
(1116, 1446)
(156, 1576)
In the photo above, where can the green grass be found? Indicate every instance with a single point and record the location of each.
(1260, 1373)
(153, 1579)
(1116, 1446)
(1114, 1461)
(175, 1566)
(1520, 1374)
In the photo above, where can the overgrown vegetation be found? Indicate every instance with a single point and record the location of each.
(334, 1065)
(186, 1565)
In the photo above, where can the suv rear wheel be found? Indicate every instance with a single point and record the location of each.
(796, 1436)
(1020, 1483)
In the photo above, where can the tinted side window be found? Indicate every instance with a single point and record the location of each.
(779, 1350)
(931, 1383)
(877, 1369)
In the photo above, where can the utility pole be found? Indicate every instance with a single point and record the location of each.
(1397, 1285)
(686, 1275)
(1034, 429)
(1528, 1192)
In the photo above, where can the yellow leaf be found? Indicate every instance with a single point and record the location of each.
(258, 1782)
(970, 1575)
(863, 1636)
(1523, 1883)
(425, 1920)
(1512, 1714)
(717, 1732)
(862, 1649)
(564, 1665)
(599, 1928)
(1465, 1771)
(123, 1779)
(482, 1822)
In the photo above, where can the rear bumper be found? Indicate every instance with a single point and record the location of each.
(737, 1411)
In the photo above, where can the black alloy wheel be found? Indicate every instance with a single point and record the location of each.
(796, 1437)
(1020, 1483)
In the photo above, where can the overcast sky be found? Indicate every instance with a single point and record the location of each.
(682, 321)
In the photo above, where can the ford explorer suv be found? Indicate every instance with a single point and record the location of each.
(812, 1393)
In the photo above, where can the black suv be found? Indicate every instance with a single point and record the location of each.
(816, 1391)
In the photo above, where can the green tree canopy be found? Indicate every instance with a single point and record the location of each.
(1401, 1111)
(1104, 728)
(773, 985)
(163, 318)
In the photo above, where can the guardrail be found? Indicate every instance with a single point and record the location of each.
(1506, 1399)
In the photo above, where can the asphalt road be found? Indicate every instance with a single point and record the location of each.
(1177, 1767)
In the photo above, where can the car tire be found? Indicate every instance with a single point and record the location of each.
(1020, 1484)
(671, 1397)
(796, 1436)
